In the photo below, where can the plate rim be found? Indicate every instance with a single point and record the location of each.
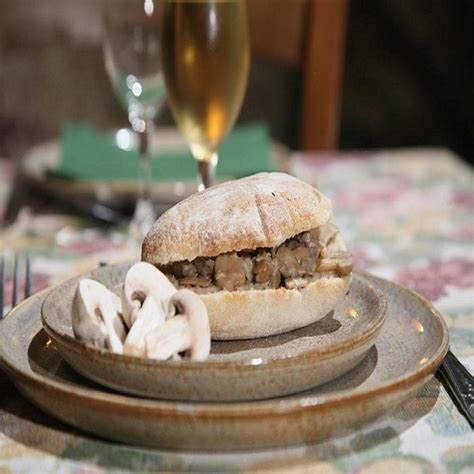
(38, 174)
(330, 351)
(261, 408)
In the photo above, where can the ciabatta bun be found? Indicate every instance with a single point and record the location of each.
(262, 210)
(260, 313)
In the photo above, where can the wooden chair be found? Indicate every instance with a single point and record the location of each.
(309, 34)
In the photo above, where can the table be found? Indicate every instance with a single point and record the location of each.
(407, 215)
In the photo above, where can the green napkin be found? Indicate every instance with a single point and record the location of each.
(88, 154)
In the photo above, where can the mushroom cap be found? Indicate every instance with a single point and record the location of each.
(85, 324)
(95, 318)
(144, 280)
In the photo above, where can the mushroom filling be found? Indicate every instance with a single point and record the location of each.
(316, 253)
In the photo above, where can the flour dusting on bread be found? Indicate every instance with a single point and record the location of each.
(262, 210)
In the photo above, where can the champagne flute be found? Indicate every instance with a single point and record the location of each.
(133, 63)
(206, 58)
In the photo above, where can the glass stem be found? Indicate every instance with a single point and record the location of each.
(144, 215)
(207, 169)
(144, 162)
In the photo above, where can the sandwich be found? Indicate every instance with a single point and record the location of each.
(261, 252)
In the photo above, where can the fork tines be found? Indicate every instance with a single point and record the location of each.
(17, 273)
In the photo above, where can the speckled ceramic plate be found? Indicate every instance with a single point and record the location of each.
(236, 370)
(411, 345)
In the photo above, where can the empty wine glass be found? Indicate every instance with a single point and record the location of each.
(133, 63)
(206, 57)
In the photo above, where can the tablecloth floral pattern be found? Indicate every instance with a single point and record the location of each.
(408, 215)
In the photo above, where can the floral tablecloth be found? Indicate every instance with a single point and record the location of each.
(407, 215)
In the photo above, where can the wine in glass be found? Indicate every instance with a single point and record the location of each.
(132, 56)
(206, 57)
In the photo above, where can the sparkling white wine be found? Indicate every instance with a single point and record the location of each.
(206, 56)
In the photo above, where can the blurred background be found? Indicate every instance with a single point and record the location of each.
(325, 73)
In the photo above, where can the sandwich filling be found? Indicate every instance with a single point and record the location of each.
(316, 253)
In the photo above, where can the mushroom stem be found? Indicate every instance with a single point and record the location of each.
(168, 340)
(188, 331)
(149, 317)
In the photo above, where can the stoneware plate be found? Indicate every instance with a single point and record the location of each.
(236, 370)
(411, 345)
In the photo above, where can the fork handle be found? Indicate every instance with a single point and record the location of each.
(459, 383)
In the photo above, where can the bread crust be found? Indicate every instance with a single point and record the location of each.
(262, 210)
(259, 313)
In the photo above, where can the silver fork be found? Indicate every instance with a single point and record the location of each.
(17, 264)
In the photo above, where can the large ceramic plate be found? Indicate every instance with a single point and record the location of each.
(236, 370)
(41, 158)
(411, 345)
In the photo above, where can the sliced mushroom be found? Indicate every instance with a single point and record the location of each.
(337, 245)
(248, 266)
(184, 269)
(263, 268)
(186, 330)
(325, 233)
(145, 295)
(150, 316)
(344, 262)
(168, 340)
(96, 316)
(307, 263)
(339, 262)
(229, 272)
(289, 266)
(307, 240)
(344, 267)
(204, 266)
(144, 281)
(200, 282)
(327, 265)
(267, 270)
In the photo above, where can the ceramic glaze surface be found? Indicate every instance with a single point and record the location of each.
(236, 370)
(410, 347)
